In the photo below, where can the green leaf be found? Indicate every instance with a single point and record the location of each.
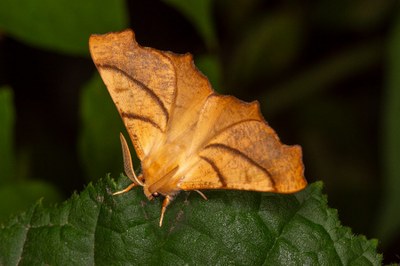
(320, 76)
(356, 15)
(7, 114)
(18, 196)
(267, 48)
(211, 67)
(231, 228)
(99, 143)
(62, 25)
(199, 13)
(389, 223)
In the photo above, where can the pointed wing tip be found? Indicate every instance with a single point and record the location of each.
(110, 39)
(124, 33)
(187, 61)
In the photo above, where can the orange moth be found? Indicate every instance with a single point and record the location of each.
(187, 136)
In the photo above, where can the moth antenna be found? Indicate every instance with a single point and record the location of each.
(126, 189)
(128, 167)
(166, 202)
(201, 194)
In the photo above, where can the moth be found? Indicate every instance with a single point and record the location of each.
(187, 136)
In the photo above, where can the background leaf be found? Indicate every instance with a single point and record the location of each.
(232, 227)
(16, 196)
(389, 222)
(210, 66)
(198, 12)
(62, 25)
(318, 78)
(99, 143)
(356, 15)
(269, 46)
(7, 118)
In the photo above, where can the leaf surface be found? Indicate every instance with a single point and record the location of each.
(231, 228)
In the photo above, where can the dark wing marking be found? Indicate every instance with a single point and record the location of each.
(141, 118)
(141, 85)
(242, 155)
(217, 171)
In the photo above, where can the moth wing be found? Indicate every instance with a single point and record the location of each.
(236, 149)
(192, 91)
(144, 100)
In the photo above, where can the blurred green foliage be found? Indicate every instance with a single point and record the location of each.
(61, 25)
(16, 195)
(318, 77)
(267, 47)
(7, 118)
(99, 139)
(199, 12)
(390, 213)
(325, 73)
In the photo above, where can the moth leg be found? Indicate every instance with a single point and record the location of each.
(128, 167)
(201, 194)
(166, 202)
(125, 189)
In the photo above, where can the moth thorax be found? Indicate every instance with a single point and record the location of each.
(163, 160)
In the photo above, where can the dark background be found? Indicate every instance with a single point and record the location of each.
(326, 74)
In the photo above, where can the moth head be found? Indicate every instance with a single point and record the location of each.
(150, 195)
